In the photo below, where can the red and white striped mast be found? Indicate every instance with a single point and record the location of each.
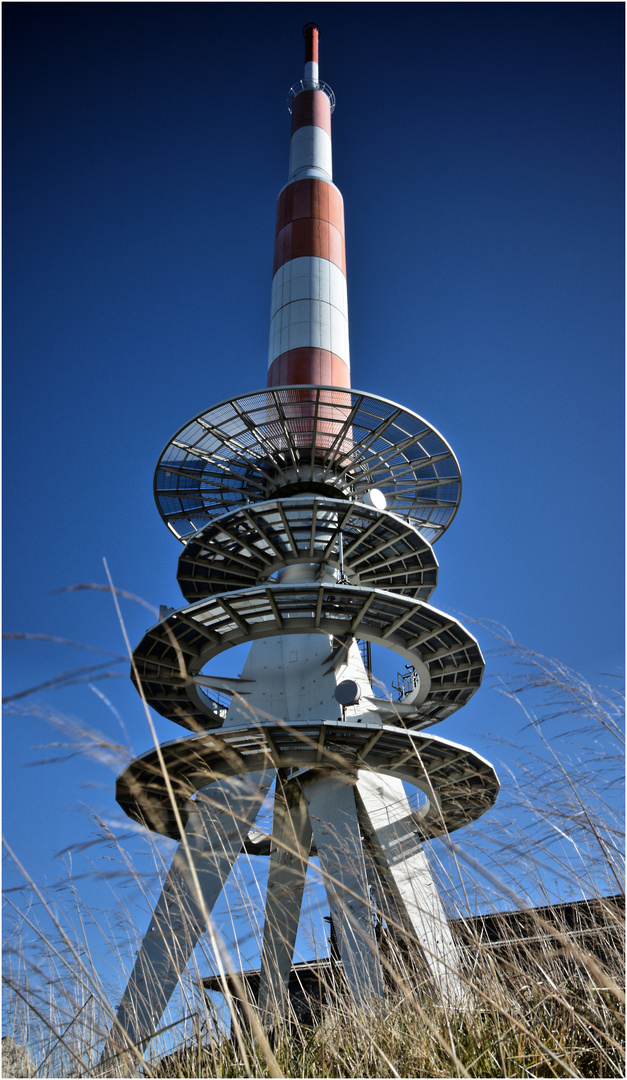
(309, 320)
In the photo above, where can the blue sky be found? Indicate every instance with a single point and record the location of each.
(479, 149)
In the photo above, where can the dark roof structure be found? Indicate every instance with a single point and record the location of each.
(577, 934)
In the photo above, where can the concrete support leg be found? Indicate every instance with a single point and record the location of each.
(387, 821)
(291, 840)
(218, 823)
(333, 815)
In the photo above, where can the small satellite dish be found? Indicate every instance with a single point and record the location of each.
(375, 498)
(347, 692)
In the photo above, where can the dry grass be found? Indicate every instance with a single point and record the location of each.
(548, 1005)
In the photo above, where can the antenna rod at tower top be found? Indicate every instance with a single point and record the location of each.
(311, 34)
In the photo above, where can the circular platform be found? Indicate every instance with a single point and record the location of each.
(251, 544)
(446, 657)
(459, 784)
(310, 84)
(293, 439)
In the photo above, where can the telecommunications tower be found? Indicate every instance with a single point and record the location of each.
(307, 513)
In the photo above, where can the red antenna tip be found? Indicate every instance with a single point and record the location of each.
(311, 34)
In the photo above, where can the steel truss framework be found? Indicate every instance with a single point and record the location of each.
(171, 655)
(252, 544)
(296, 438)
(459, 785)
(284, 548)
